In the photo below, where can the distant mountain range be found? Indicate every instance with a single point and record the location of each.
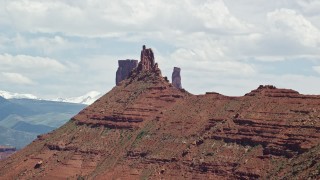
(7, 108)
(25, 116)
(11, 95)
(87, 98)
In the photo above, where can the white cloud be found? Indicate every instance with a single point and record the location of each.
(216, 15)
(290, 23)
(316, 68)
(16, 78)
(210, 60)
(48, 45)
(25, 62)
(3, 41)
(275, 58)
(310, 6)
(119, 18)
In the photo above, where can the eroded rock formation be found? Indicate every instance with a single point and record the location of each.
(147, 62)
(146, 129)
(146, 59)
(176, 78)
(124, 69)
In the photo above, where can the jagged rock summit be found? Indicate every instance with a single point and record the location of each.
(131, 68)
(147, 61)
(176, 78)
(145, 128)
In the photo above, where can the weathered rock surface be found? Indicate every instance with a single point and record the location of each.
(124, 69)
(176, 78)
(147, 62)
(146, 59)
(145, 128)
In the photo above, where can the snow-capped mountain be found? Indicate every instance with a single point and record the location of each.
(10, 95)
(87, 99)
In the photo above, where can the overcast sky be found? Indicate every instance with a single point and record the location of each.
(64, 48)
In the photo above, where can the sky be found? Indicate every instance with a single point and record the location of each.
(66, 48)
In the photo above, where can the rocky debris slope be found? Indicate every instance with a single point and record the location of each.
(176, 78)
(124, 69)
(146, 128)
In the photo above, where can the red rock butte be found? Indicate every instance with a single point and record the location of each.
(145, 128)
(124, 69)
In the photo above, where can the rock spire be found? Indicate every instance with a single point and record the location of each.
(147, 62)
(176, 78)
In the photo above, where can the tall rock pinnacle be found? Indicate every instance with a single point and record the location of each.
(124, 69)
(146, 59)
(147, 62)
(176, 78)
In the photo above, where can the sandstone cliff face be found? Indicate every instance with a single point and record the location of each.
(124, 69)
(146, 129)
(176, 78)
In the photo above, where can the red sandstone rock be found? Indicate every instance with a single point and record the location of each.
(124, 69)
(147, 62)
(176, 78)
(146, 59)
